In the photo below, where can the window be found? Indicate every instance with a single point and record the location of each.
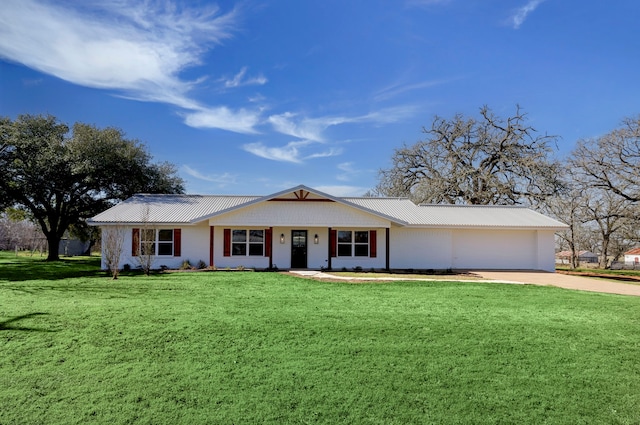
(344, 243)
(361, 244)
(353, 243)
(148, 242)
(165, 242)
(156, 242)
(247, 242)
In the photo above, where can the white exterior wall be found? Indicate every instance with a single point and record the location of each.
(378, 262)
(420, 248)
(410, 248)
(317, 254)
(546, 250)
(632, 259)
(471, 249)
(194, 247)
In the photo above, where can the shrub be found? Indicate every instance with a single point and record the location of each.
(126, 267)
(201, 265)
(186, 265)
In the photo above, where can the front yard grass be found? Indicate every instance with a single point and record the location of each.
(265, 348)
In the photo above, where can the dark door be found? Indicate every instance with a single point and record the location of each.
(298, 249)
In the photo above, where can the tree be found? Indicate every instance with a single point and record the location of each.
(490, 160)
(605, 212)
(112, 246)
(612, 161)
(62, 181)
(567, 206)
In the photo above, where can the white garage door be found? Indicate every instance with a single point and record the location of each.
(495, 249)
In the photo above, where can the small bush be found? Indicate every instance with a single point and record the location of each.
(126, 267)
(201, 265)
(186, 265)
(357, 269)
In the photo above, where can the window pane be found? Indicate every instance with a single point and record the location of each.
(148, 235)
(256, 235)
(165, 235)
(344, 250)
(147, 248)
(362, 250)
(239, 249)
(255, 249)
(165, 248)
(362, 237)
(344, 236)
(239, 236)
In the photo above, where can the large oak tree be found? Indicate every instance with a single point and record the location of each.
(612, 161)
(467, 160)
(62, 180)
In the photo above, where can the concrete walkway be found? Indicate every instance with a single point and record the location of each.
(510, 277)
(562, 280)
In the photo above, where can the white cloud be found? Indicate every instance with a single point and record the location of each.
(221, 179)
(347, 171)
(137, 49)
(240, 80)
(291, 152)
(239, 121)
(518, 18)
(287, 153)
(312, 128)
(396, 89)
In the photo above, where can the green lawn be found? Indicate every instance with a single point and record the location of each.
(265, 348)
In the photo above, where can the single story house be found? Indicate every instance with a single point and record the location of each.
(564, 257)
(632, 256)
(303, 228)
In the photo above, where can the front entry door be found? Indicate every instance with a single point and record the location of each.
(298, 249)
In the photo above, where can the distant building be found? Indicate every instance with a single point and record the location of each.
(564, 257)
(73, 247)
(632, 256)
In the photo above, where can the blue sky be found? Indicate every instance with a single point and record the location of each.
(253, 97)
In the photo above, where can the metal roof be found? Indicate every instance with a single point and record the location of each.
(494, 216)
(190, 209)
(144, 208)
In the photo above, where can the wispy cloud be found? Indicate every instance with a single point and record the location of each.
(239, 121)
(239, 80)
(307, 128)
(291, 152)
(347, 171)
(221, 179)
(136, 49)
(396, 89)
(520, 15)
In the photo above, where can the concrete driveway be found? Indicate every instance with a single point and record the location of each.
(560, 280)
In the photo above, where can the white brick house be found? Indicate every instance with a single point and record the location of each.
(305, 228)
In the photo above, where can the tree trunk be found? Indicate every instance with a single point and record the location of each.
(53, 241)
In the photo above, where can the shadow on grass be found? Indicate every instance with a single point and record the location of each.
(7, 324)
(27, 268)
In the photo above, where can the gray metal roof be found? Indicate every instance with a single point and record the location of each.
(168, 208)
(494, 216)
(190, 209)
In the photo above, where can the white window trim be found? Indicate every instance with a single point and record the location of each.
(353, 244)
(156, 242)
(247, 243)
